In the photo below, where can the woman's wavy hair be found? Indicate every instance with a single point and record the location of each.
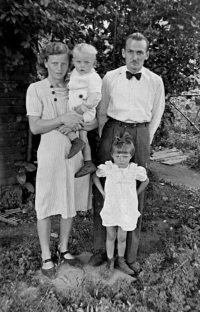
(52, 48)
(123, 143)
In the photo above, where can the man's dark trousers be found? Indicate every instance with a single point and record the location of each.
(140, 134)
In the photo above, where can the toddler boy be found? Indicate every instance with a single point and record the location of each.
(84, 96)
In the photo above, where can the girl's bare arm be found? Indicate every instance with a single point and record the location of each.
(142, 186)
(98, 184)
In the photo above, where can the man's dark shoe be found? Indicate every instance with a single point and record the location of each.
(135, 267)
(123, 266)
(98, 259)
(77, 146)
(88, 168)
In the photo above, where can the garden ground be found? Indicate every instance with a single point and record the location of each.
(169, 254)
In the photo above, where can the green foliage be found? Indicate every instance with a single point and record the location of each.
(169, 280)
(25, 167)
(20, 195)
(171, 26)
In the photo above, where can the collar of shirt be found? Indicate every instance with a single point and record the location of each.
(124, 69)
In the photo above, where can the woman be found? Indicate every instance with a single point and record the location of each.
(57, 192)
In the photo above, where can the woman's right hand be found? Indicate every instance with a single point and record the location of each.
(72, 120)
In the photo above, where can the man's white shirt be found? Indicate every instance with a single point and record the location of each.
(132, 101)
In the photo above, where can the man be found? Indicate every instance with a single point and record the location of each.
(133, 101)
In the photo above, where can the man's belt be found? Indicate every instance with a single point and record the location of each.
(128, 124)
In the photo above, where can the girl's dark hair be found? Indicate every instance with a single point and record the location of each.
(123, 143)
(52, 48)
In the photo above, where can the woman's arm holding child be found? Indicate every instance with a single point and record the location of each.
(98, 184)
(142, 186)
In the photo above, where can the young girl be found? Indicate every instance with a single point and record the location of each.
(120, 210)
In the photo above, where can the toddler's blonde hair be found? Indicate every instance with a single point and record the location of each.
(85, 48)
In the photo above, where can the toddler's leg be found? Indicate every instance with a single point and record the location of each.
(77, 144)
(87, 150)
(88, 166)
(121, 263)
(72, 136)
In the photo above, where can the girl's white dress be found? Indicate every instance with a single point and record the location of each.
(121, 201)
(57, 191)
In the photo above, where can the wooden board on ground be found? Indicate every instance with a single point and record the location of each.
(7, 219)
(174, 160)
(169, 156)
(163, 154)
(11, 211)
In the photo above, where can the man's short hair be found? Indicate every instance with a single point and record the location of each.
(137, 36)
(85, 48)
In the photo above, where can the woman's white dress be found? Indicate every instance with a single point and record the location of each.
(121, 201)
(57, 191)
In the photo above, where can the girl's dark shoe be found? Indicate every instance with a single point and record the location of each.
(109, 269)
(50, 273)
(74, 262)
(110, 264)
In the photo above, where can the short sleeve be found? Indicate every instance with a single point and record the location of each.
(34, 105)
(141, 174)
(103, 170)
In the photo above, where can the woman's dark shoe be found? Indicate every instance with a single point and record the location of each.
(77, 146)
(50, 273)
(98, 258)
(74, 262)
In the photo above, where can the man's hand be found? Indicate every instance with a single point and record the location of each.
(72, 120)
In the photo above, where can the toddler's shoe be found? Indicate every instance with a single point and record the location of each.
(123, 266)
(77, 146)
(87, 168)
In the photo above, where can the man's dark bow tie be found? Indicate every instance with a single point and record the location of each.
(129, 75)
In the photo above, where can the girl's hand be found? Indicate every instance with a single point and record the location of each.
(103, 194)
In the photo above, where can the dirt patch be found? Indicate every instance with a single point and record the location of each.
(179, 174)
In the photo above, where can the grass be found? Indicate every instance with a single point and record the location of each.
(171, 265)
